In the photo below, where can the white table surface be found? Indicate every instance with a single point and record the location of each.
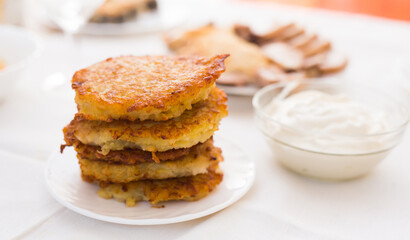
(280, 205)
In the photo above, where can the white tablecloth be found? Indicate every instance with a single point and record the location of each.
(280, 205)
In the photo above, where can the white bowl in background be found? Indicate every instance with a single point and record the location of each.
(17, 49)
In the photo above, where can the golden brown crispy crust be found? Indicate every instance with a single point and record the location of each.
(130, 156)
(190, 188)
(193, 126)
(196, 162)
(134, 156)
(147, 87)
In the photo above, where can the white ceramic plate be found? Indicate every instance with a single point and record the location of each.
(166, 17)
(65, 184)
(247, 91)
(146, 23)
(250, 90)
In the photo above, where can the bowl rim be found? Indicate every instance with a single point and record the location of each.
(256, 105)
(30, 36)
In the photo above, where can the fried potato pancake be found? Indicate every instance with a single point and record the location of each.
(192, 127)
(245, 58)
(134, 156)
(141, 88)
(192, 164)
(190, 188)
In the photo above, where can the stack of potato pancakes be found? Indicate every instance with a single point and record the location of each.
(144, 127)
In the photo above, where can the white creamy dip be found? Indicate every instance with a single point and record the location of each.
(328, 123)
(327, 136)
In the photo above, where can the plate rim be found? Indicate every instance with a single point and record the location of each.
(126, 28)
(153, 221)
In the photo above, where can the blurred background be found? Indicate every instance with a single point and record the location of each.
(394, 9)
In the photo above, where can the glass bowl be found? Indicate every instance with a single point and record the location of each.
(341, 158)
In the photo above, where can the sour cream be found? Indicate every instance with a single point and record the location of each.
(327, 136)
(329, 123)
